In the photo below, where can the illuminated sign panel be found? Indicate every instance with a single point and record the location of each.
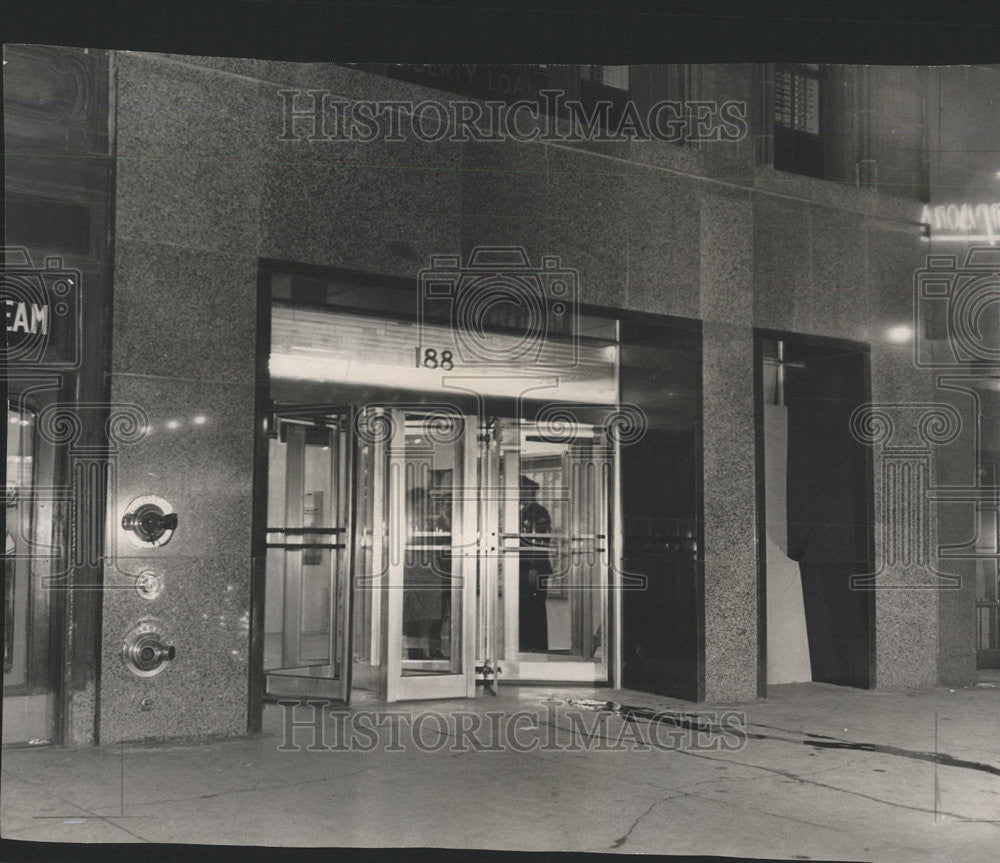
(361, 350)
(965, 223)
(41, 308)
(26, 317)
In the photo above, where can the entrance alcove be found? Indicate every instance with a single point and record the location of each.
(432, 517)
(423, 528)
(815, 511)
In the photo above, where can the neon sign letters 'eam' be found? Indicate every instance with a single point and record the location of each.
(967, 223)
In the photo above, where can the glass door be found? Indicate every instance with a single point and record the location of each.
(431, 554)
(309, 552)
(547, 550)
(34, 514)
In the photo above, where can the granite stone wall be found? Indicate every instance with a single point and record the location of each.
(206, 187)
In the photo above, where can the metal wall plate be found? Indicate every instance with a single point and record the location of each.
(149, 521)
(145, 650)
(148, 584)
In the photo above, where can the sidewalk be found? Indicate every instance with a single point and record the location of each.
(545, 768)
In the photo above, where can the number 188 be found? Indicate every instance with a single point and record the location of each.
(431, 360)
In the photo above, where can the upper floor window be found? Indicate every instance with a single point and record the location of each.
(797, 111)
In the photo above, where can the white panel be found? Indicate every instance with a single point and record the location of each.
(787, 638)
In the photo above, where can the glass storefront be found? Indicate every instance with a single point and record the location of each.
(434, 519)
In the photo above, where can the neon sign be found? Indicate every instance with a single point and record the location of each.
(964, 223)
(26, 317)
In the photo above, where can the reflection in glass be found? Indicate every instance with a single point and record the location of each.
(20, 449)
(317, 512)
(431, 468)
(535, 567)
(306, 575)
(555, 524)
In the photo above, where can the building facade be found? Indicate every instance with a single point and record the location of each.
(236, 506)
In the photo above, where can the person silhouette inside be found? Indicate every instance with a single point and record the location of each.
(535, 567)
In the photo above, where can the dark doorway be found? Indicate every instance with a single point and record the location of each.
(661, 481)
(829, 496)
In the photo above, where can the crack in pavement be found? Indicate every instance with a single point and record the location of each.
(621, 840)
(800, 779)
(632, 715)
(591, 769)
(795, 820)
(694, 722)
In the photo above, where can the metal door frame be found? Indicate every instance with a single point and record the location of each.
(303, 680)
(462, 683)
(497, 640)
